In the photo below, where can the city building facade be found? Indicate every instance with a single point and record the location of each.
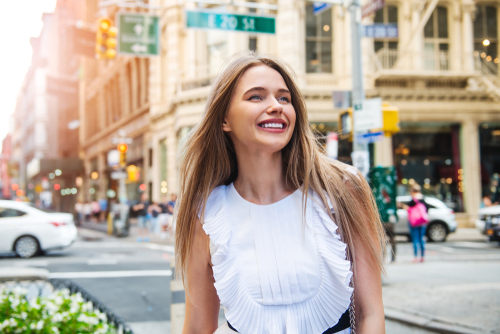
(44, 146)
(114, 102)
(441, 71)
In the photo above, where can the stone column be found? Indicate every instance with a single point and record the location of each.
(468, 13)
(471, 166)
(103, 180)
(384, 152)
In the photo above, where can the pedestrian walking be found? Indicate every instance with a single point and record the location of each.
(96, 210)
(87, 210)
(142, 218)
(79, 211)
(164, 218)
(268, 225)
(154, 211)
(103, 207)
(171, 203)
(417, 219)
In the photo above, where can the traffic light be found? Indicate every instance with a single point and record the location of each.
(122, 148)
(390, 116)
(106, 39)
(390, 122)
(345, 124)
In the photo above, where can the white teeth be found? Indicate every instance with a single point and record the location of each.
(273, 125)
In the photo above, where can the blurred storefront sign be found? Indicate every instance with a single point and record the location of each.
(371, 137)
(367, 115)
(138, 35)
(62, 86)
(319, 7)
(228, 21)
(372, 7)
(83, 42)
(113, 158)
(381, 31)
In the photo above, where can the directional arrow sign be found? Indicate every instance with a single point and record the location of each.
(138, 34)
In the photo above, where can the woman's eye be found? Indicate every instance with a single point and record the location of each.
(253, 97)
(284, 98)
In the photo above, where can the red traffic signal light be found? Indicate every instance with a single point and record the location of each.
(122, 148)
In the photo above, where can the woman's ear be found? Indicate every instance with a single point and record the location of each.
(225, 126)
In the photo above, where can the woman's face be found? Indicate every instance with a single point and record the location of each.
(261, 115)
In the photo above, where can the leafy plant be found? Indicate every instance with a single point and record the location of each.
(58, 313)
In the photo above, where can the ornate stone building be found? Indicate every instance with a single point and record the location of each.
(441, 72)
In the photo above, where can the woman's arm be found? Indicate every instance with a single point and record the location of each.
(369, 308)
(202, 302)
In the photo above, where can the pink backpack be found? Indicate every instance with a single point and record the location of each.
(417, 214)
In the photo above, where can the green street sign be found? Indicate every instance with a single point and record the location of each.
(229, 21)
(138, 35)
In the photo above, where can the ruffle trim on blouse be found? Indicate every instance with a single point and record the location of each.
(312, 316)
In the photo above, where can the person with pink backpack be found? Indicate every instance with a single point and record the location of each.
(418, 219)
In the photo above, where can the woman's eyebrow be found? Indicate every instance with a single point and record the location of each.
(281, 90)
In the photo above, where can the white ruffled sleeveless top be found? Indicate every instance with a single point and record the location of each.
(274, 274)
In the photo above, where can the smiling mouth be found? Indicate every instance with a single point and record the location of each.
(272, 125)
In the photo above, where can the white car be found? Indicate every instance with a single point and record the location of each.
(29, 231)
(489, 222)
(442, 219)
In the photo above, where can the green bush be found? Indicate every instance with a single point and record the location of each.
(58, 313)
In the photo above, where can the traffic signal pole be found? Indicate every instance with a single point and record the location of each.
(358, 91)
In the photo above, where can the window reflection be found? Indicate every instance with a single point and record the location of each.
(436, 42)
(429, 154)
(318, 41)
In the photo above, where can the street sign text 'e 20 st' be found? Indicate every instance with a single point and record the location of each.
(229, 21)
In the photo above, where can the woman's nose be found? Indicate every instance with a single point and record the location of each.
(276, 107)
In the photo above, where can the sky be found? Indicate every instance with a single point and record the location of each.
(19, 21)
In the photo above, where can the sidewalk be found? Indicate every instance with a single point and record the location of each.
(434, 296)
(95, 231)
(453, 297)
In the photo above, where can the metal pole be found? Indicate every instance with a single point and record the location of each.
(358, 91)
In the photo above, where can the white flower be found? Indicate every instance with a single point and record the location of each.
(58, 317)
(55, 330)
(39, 325)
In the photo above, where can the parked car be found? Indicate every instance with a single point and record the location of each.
(29, 231)
(442, 219)
(489, 222)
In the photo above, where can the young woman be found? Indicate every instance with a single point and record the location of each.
(268, 227)
(417, 233)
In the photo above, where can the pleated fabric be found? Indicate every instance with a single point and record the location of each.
(300, 280)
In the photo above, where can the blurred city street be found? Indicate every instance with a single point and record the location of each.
(99, 97)
(133, 279)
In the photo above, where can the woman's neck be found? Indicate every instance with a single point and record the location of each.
(261, 178)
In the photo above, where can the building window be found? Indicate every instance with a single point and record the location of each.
(386, 48)
(486, 37)
(436, 41)
(217, 50)
(318, 41)
(252, 43)
(429, 154)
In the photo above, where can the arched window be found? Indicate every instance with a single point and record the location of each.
(436, 41)
(318, 41)
(486, 36)
(386, 48)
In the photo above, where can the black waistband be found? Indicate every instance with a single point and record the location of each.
(344, 323)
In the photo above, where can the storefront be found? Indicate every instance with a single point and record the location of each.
(429, 154)
(489, 141)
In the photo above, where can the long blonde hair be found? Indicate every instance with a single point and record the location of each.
(208, 160)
